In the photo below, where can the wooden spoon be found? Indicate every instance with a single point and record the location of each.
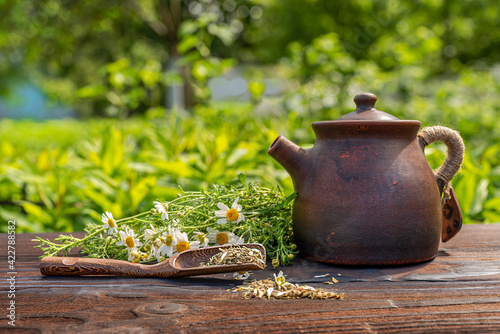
(183, 264)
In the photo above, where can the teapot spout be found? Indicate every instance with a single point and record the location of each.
(291, 157)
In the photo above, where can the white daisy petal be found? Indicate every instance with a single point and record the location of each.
(235, 204)
(220, 213)
(223, 207)
(221, 221)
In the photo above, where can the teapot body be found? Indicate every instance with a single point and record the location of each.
(367, 196)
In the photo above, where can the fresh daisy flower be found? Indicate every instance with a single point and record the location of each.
(109, 222)
(223, 237)
(202, 237)
(129, 240)
(151, 255)
(134, 256)
(229, 215)
(162, 208)
(150, 232)
(237, 240)
(183, 242)
(166, 244)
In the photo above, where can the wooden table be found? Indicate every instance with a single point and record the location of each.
(459, 291)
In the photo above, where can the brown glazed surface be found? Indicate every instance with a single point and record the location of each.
(366, 194)
(368, 201)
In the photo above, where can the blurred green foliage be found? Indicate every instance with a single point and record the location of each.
(432, 60)
(69, 172)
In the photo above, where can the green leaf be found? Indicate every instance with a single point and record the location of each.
(465, 190)
(91, 91)
(140, 190)
(492, 204)
(243, 178)
(177, 168)
(23, 225)
(480, 196)
(491, 216)
(188, 28)
(98, 198)
(118, 65)
(187, 43)
(256, 89)
(165, 193)
(37, 213)
(112, 153)
(225, 33)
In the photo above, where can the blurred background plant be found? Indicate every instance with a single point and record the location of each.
(162, 93)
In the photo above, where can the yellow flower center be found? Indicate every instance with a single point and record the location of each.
(182, 246)
(222, 238)
(168, 240)
(111, 222)
(202, 237)
(164, 206)
(130, 242)
(232, 214)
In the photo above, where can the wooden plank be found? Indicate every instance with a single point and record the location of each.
(457, 292)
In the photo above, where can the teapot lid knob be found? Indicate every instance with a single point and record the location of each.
(365, 110)
(365, 101)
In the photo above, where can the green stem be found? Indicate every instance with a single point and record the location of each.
(197, 227)
(75, 243)
(129, 218)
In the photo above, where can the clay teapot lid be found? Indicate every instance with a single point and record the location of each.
(365, 110)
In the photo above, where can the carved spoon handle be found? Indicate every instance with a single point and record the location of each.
(70, 266)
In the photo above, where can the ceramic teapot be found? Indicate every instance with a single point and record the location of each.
(366, 194)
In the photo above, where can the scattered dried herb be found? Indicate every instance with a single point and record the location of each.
(279, 288)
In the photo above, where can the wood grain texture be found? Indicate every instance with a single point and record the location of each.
(458, 292)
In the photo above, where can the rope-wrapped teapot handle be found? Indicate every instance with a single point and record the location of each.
(454, 159)
(452, 215)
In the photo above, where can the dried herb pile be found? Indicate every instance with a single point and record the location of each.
(236, 255)
(279, 288)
